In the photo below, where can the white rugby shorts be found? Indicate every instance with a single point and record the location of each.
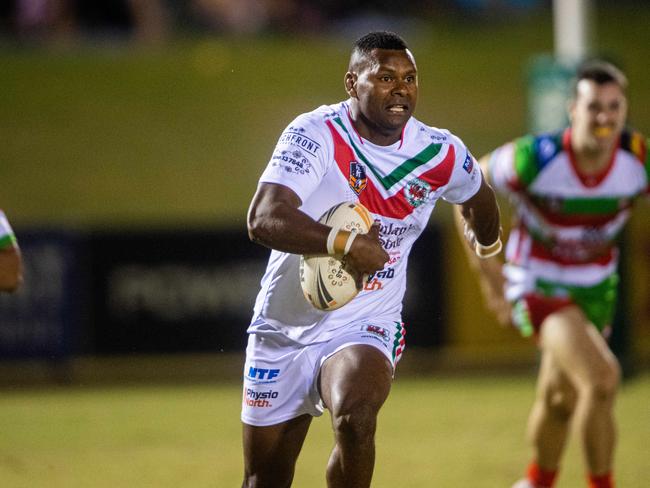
(281, 376)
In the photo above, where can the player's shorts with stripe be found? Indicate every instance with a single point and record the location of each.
(598, 303)
(281, 376)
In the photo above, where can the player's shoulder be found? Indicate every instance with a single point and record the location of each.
(434, 135)
(548, 145)
(636, 144)
(538, 149)
(315, 122)
(321, 114)
(521, 160)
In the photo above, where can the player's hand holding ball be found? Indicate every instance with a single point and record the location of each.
(365, 256)
(354, 251)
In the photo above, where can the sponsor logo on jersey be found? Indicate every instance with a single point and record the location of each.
(393, 257)
(433, 137)
(357, 179)
(374, 281)
(392, 229)
(259, 399)
(291, 161)
(554, 204)
(389, 243)
(468, 165)
(376, 331)
(417, 192)
(294, 136)
(581, 250)
(391, 235)
(262, 375)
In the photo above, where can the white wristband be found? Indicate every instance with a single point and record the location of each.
(330, 240)
(348, 243)
(485, 252)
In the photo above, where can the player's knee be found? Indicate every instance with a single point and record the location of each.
(561, 402)
(604, 386)
(356, 424)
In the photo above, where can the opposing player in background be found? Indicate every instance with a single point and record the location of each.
(573, 192)
(300, 360)
(11, 271)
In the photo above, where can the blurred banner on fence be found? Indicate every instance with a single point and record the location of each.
(44, 318)
(166, 291)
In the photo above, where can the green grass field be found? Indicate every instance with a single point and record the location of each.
(117, 137)
(442, 432)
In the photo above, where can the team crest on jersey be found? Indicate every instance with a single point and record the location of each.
(417, 192)
(357, 179)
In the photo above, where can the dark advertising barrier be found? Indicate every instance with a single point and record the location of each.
(166, 292)
(194, 291)
(425, 312)
(173, 291)
(44, 317)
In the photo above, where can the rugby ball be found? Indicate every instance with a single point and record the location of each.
(325, 282)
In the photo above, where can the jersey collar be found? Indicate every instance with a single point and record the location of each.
(361, 140)
(592, 179)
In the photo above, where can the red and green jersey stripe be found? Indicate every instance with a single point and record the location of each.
(592, 211)
(525, 161)
(407, 167)
(531, 154)
(8, 240)
(397, 205)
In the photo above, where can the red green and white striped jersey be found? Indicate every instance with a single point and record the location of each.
(567, 222)
(7, 237)
(322, 158)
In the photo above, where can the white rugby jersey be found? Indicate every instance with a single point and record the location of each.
(322, 158)
(567, 222)
(7, 237)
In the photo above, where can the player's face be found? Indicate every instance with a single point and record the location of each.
(598, 114)
(384, 92)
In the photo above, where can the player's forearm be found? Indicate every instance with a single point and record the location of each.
(483, 266)
(284, 228)
(11, 275)
(481, 213)
(486, 225)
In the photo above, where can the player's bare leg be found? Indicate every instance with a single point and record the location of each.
(354, 384)
(550, 417)
(270, 453)
(583, 355)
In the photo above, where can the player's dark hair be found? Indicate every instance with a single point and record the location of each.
(379, 40)
(600, 72)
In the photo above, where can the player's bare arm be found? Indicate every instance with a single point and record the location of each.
(481, 213)
(11, 272)
(491, 279)
(275, 221)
